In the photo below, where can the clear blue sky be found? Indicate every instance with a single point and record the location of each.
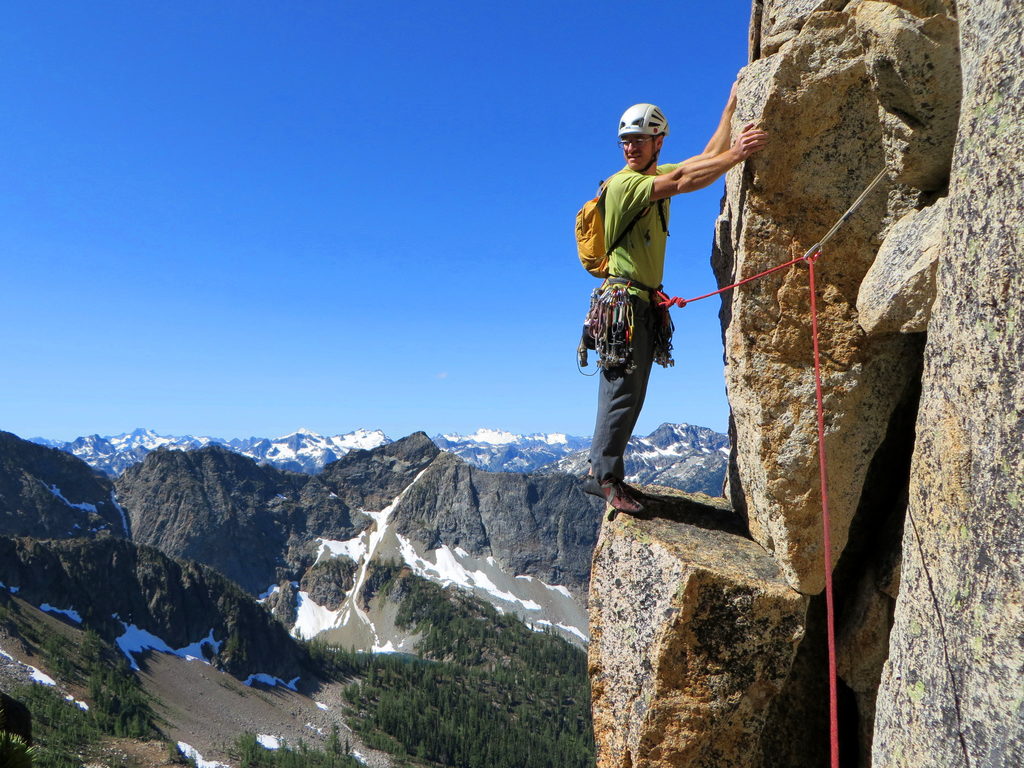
(240, 218)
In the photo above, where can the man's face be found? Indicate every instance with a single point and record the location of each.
(638, 149)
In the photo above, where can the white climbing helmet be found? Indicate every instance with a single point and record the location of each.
(643, 118)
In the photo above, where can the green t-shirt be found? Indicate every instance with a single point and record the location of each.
(641, 254)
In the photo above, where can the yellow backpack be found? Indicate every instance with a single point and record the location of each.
(590, 234)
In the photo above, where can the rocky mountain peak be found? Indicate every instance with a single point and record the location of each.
(223, 509)
(535, 525)
(47, 493)
(371, 479)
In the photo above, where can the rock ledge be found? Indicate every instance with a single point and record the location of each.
(693, 631)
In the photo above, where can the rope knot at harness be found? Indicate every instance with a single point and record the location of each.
(667, 302)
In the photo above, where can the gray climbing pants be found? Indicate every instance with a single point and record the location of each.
(620, 397)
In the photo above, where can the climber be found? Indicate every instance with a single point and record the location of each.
(637, 198)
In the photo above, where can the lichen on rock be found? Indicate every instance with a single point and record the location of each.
(951, 693)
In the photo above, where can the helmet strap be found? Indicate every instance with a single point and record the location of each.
(654, 159)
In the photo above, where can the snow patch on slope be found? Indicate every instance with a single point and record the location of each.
(69, 612)
(84, 506)
(39, 677)
(314, 618)
(543, 625)
(124, 515)
(136, 640)
(35, 673)
(538, 604)
(191, 753)
(457, 567)
(270, 681)
(269, 742)
(354, 549)
(533, 600)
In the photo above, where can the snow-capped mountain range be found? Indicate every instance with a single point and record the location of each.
(692, 459)
(678, 455)
(301, 451)
(520, 542)
(312, 545)
(499, 451)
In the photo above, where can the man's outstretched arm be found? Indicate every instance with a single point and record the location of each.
(700, 171)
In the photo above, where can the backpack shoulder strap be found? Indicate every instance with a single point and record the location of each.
(622, 235)
(626, 231)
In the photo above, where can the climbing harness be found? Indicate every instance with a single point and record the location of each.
(810, 258)
(610, 325)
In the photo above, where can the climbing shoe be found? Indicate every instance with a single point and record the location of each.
(620, 497)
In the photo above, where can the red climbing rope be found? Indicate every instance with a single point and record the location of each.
(810, 257)
(678, 301)
(826, 523)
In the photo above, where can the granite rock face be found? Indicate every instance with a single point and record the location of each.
(828, 91)
(953, 689)
(776, 22)
(896, 294)
(693, 631)
(920, 297)
(914, 66)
